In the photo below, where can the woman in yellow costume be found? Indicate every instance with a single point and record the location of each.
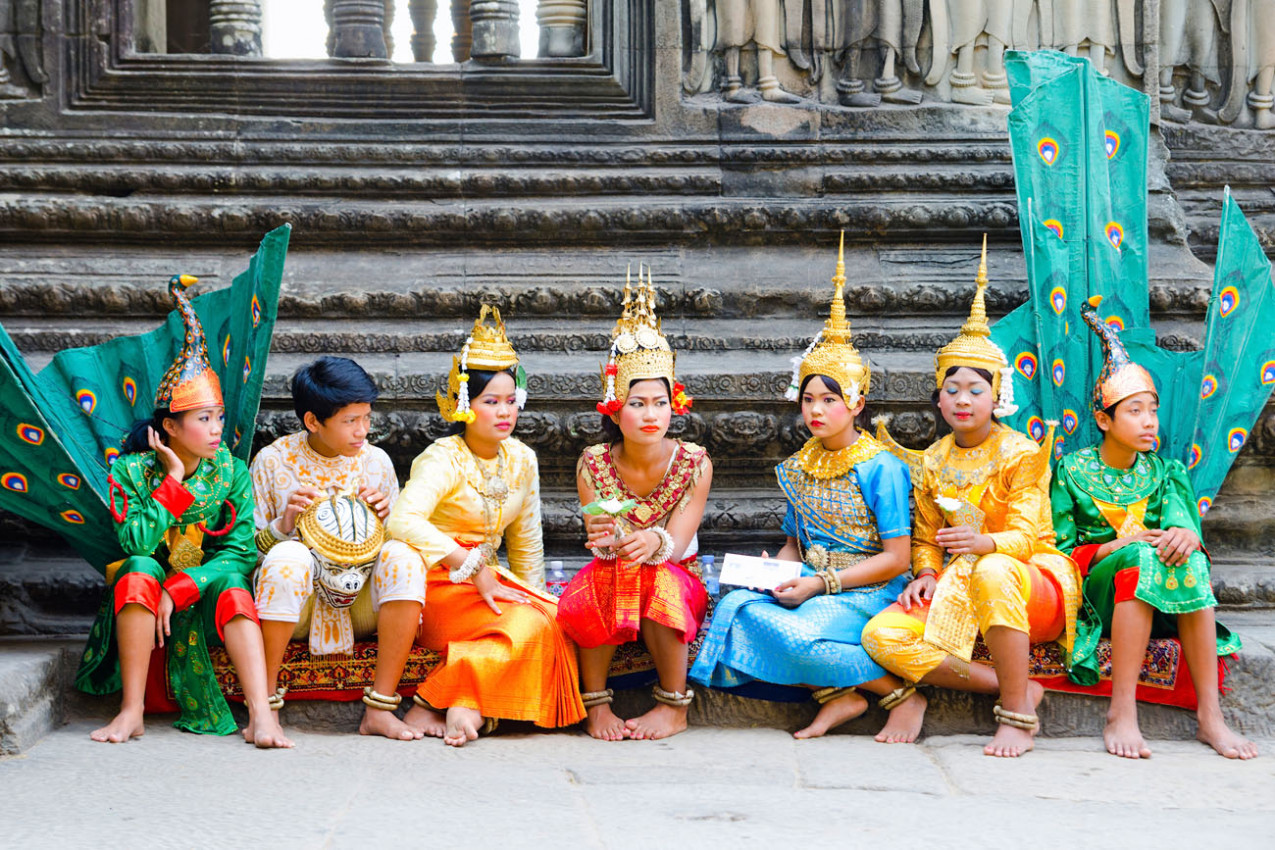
(505, 656)
(983, 556)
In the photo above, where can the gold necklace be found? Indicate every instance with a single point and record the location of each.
(492, 493)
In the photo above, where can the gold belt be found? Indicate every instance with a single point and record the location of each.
(821, 559)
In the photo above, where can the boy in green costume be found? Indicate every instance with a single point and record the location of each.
(1128, 519)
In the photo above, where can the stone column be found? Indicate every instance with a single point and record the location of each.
(358, 29)
(562, 27)
(423, 43)
(235, 27)
(496, 36)
(388, 28)
(462, 31)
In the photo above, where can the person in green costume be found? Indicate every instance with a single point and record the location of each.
(1128, 518)
(183, 511)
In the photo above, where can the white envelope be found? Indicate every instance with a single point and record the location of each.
(760, 573)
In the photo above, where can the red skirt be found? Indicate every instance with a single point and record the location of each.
(606, 602)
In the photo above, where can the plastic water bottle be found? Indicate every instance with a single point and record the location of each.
(708, 568)
(557, 578)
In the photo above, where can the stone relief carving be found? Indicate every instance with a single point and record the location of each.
(761, 24)
(1191, 33)
(1101, 25)
(20, 49)
(1216, 57)
(1253, 64)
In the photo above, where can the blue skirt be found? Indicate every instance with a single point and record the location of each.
(753, 637)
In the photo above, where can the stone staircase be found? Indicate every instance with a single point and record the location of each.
(734, 314)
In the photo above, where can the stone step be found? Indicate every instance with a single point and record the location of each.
(46, 590)
(35, 684)
(1246, 704)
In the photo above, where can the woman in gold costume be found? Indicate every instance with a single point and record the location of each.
(983, 556)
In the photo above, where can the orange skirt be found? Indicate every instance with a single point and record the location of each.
(517, 665)
(605, 603)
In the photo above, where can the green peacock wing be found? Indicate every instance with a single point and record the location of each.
(86, 400)
(41, 479)
(1237, 367)
(1079, 143)
(243, 330)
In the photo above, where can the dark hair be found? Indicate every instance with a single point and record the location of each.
(610, 430)
(137, 441)
(951, 370)
(478, 381)
(329, 384)
(830, 383)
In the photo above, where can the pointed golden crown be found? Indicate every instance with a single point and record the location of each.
(973, 345)
(639, 350)
(834, 355)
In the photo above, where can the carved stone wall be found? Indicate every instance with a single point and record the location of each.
(417, 192)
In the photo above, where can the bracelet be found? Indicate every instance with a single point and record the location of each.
(663, 553)
(925, 571)
(677, 699)
(474, 562)
(592, 699)
(381, 702)
(267, 538)
(602, 554)
(831, 581)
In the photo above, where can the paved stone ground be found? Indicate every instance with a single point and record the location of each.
(705, 788)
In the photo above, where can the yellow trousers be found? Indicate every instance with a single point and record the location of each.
(1005, 592)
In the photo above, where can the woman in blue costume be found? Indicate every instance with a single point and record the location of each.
(848, 523)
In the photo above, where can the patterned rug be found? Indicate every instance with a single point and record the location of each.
(1163, 680)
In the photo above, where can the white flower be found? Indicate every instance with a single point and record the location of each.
(948, 504)
(611, 506)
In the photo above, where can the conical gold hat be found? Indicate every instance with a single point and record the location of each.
(833, 355)
(973, 346)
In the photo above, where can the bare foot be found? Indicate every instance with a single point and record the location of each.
(904, 722)
(1122, 736)
(1220, 737)
(266, 733)
(604, 725)
(775, 94)
(832, 714)
(428, 722)
(386, 724)
(660, 722)
(1010, 741)
(972, 95)
(126, 725)
(1262, 120)
(462, 726)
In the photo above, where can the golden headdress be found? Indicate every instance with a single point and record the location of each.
(639, 350)
(1120, 377)
(973, 347)
(190, 383)
(487, 348)
(831, 353)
